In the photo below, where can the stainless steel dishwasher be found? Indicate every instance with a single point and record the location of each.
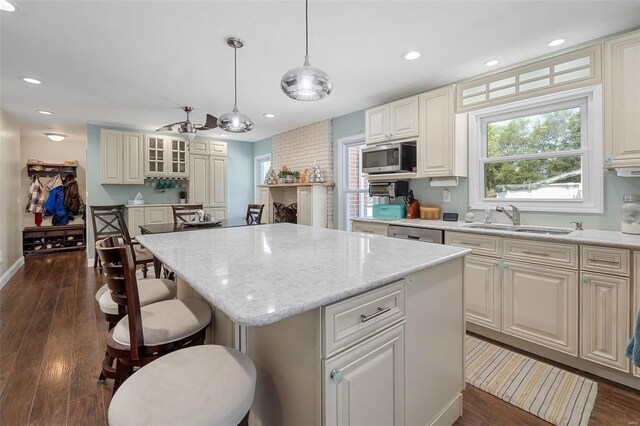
(418, 234)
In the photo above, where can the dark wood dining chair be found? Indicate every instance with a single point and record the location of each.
(185, 212)
(148, 332)
(105, 224)
(141, 256)
(254, 213)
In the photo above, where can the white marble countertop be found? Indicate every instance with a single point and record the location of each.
(588, 236)
(258, 275)
(151, 205)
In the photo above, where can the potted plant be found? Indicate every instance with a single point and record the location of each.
(288, 176)
(183, 197)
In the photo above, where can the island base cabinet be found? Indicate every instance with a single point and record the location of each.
(365, 385)
(482, 291)
(539, 305)
(604, 311)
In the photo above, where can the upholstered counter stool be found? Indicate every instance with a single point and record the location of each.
(150, 290)
(202, 385)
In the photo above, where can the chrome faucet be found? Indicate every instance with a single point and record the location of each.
(514, 217)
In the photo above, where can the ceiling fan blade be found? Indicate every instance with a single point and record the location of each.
(211, 123)
(168, 127)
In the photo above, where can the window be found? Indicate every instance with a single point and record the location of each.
(353, 193)
(543, 154)
(262, 165)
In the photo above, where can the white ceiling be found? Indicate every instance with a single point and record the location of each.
(133, 63)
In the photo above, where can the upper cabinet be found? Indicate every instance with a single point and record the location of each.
(442, 147)
(166, 156)
(621, 100)
(208, 174)
(178, 158)
(392, 121)
(206, 147)
(121, 157)
(154, 165)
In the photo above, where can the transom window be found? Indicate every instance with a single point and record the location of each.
(543, 154)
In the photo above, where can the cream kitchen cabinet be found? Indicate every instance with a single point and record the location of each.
(217, 181)
(147, 215)
(442, 146)
(636, 291)
(264, 197)
(392, 121)
(621, 106)
(482, 291)
(365, 385)
(135, 218)
(370, 228)
(208, 147)
(154, 156)
(310, 201)
(208, 177)
(121, 157)
(155, 215)
(604, 309)
(178, 157)
(199, 179)
(219, 213)
(166, 157)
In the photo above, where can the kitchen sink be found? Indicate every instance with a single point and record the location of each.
(525, 230)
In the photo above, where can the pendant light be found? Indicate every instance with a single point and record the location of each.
(235, 121)
(306, 83)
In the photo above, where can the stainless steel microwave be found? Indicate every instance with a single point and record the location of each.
(390, 158)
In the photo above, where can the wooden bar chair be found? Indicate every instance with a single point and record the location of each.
(105, 224)
(185, 212)
(145, 333)
(254, 213)
(150, 290)
(204, 385)
(141, 256)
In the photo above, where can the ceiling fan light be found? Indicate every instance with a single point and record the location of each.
(235, 121)
(306, 83)
(188, 136)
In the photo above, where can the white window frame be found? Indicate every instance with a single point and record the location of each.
(341, 176)
(591, 150)
(256, 173)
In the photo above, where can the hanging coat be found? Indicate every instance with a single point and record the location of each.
(72, 199)
(55, 203)
(36, 196)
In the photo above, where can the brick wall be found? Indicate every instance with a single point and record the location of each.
(299, 148)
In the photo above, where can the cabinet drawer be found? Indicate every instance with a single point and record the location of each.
(370, 228)
(481, 244)
(541, 252)
(604, 259)
(218, 148)
(351, 320)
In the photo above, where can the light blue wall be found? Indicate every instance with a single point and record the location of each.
(240, 178)
(262, 147)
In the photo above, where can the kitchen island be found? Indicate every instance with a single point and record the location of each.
(344, 328)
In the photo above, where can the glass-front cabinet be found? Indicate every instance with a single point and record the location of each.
(178, 160)
(166, 157)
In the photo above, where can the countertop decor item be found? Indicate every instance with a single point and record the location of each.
(306, 83)
(429, 212)
(630, 214)
(315, 174)
(271, 178)
(183, 197)
(235, 121)
(288, 176)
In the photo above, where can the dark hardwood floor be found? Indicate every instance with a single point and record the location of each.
(52, 342)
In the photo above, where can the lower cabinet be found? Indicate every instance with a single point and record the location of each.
(136, 218)
(370, 228)
(264, 195)
(312, 206)
(219, 213)
(604, 307)
(153, 215)
(482, 281)
(365, 384)
(539, 305)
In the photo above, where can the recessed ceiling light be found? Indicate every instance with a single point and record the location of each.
(411, 56)
(6, 6)
(56, 137)
(491, 63)
(556, 42)
(30, 80)
(42, 111)
(268, 115)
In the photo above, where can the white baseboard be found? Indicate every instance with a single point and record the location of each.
(11, 271)
(90, 262)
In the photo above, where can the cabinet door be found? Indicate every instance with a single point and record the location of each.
(178, 157)
(154, 156)
(636, 291)
(403, 118)
(199, 147)
(365, 385)
(199, 180)
(133, 158)
(305, 205)
(218, 181)
(621, 106)
(219, 213)
(604, 315)
(437, 120)
(376, 124)
(111, 156)
(265, 198)
(217, 148)
(482, 291)
(154, 215)
(539, 305)
(135, 218)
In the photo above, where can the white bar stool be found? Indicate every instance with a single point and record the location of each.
(202, 385)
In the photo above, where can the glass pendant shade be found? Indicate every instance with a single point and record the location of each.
(188, 136)
(306, 83)
(235, 121)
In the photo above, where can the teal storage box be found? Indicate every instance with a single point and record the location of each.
(389, 211)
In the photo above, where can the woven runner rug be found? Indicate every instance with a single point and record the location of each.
(555, 395)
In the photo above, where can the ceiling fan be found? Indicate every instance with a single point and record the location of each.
(187, 129)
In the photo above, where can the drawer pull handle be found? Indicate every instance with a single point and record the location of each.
(536, 253)
(380, 311)
(470, 244)
(336, 376)
(608, 262)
